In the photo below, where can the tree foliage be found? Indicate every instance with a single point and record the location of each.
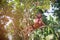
(23, 12)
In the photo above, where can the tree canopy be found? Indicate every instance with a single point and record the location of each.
(21, 13)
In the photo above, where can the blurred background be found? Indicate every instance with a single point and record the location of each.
(15, 15)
